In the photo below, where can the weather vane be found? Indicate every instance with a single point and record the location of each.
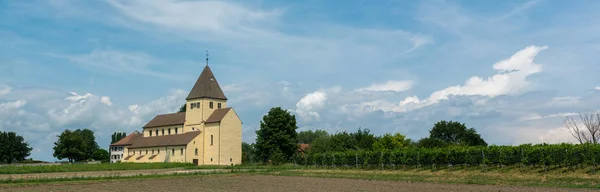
(207, 57)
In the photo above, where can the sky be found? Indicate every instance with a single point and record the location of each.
(513, 70)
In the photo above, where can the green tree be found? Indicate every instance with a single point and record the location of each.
(182, 108)
(75, 145)
(101, 155)
(456, 133)
(364, 139)
(431, 143)
(389, 141)
(309, 136)
(13, 147)
(277, 134)
(248, 153)
(117, 136)
(321, 145)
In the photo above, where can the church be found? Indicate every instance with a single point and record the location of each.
(207, 133)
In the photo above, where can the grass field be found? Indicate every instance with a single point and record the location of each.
(90, 167)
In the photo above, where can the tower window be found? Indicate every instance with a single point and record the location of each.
(211, 140)
(176, 130)
(192, 105)
(197, 104)
(210, 105)
(150, 133)
(163, 131)
(181, 151)
(218, 105)
(157, 132)
(169, 131)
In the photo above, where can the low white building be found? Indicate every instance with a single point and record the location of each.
(116, 149)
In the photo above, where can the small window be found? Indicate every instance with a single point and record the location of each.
(210, 105)
(150, 133)
(157, 132)
(175, 130)
(169, 131)
(192, 128)
(146, 151)
(163, 131)
(152, 151)
(196, 151)
(211, 140)
(173, 152)
(230, 159)
(140, 152)
(181, 151)
(197, 104)
(219, 105)
(210, 159)
(158, 151)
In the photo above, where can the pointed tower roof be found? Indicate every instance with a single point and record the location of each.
(206, 87)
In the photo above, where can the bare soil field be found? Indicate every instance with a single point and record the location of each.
(248, 182)
(123, 173)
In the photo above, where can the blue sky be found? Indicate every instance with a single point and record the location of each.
(511, 69)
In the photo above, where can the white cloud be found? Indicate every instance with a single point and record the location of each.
(77, 97)
(4, 90)
(309, 104)
(396, 86)
(511, 78)
(597, 88)
(12, 105)
(106, 100)
(535, 116)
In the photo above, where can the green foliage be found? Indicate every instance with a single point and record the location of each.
(389, 141)
(75, 145)
(455, 133)
(277, 157)
(101, 155)
(277, 133)
(117, 136)
(182, 108)
(90, 167)
(248, 153)
(13, 147)
(431, 143)
(364, 139)
(307, 137)
(540, 155)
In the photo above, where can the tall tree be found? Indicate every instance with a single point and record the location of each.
(277, 135)
(309, 136)
(75, 145)
(182, 108)
(13, 147)
(117, 136)
(248, 153)
(364, 139)
(456, 133)
(589, 132)
(389, 141)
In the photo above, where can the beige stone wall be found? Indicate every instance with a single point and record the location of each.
(195, 117)
(191, 148)
(211, 149)
(173, 128)
(231, 139)
(161, 152)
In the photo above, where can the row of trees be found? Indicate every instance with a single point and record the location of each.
(277, 140)
(13, 148)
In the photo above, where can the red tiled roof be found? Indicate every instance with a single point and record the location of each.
(127, 140)
(167, 119)
(303, 147)
(166, 140)
(217, 115)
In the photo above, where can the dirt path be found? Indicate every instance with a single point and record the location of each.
(265, 183)
(123, 173)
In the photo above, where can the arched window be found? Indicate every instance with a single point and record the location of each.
(211, 140)
(196, 151)
(181, 151)
(150, 133)
(163, 131)
(175, 130)
(173, 152)
(169, 131)
(152, 151)
(157, 132)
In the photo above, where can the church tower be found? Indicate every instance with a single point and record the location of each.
(205, 97)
